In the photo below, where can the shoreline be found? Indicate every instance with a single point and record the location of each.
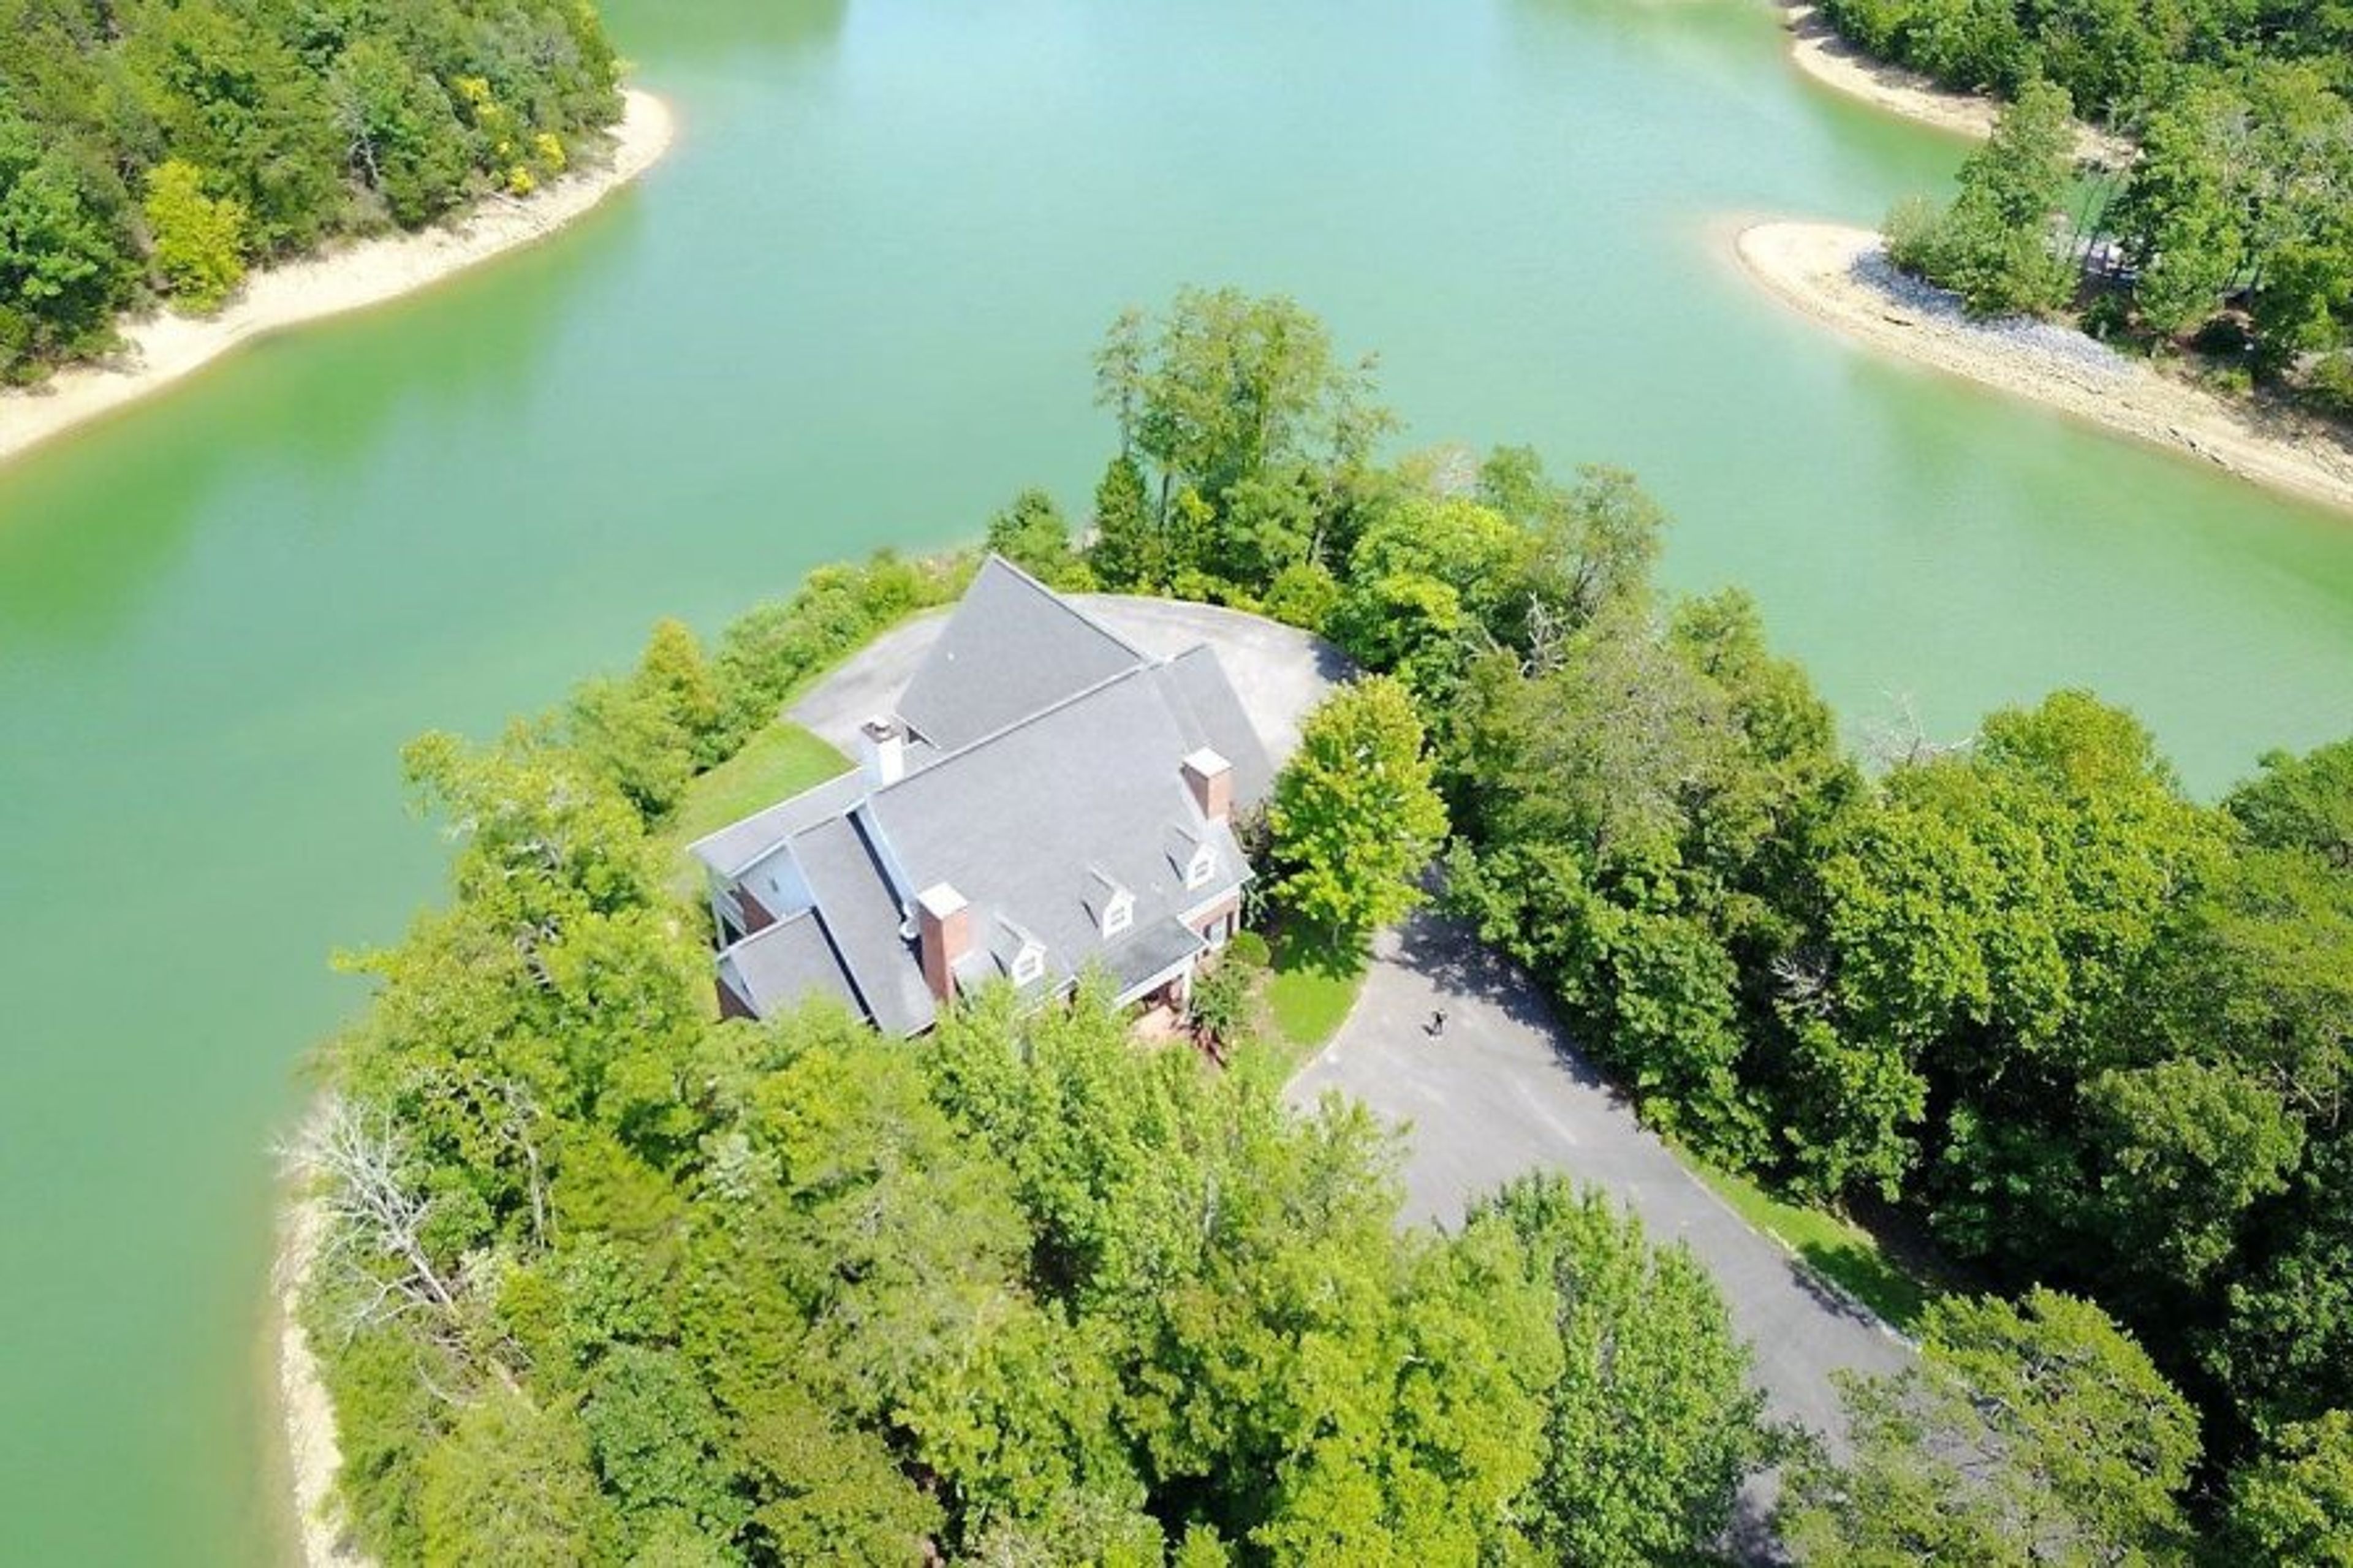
(163, 349)
(1817, 51)
(1838, 275)
(305, 1413)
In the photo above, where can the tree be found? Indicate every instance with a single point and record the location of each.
(1127, 552)
(1033, 536)
(2032, 1433)
(1993, 246)
(512, 1482)
(1228, 388)
(1354, 815)
(198, 239)
(2181, 218)
(1640, 1329)
(2296, 1503)
(64, 256)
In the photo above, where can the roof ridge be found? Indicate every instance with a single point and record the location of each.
(975, 744)
(1062, 602)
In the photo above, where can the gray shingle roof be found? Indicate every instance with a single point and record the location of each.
(1153, 952)
(862, 916)
(1010, 648)
(736, 848)
(782, 964)
(1055, 791)
(1206, 697)
(1027, 824)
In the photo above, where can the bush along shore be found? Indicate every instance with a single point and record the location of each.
(603, 1278)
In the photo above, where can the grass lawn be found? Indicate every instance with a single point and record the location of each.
(1310, 987)
(780, 761)
(1838, 1249)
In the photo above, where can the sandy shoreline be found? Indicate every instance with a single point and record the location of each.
(1818, 51)
(306, 1413)
(1839, 274)
(163, 349)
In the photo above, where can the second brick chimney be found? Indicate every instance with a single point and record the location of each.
(1211, 779)
(943, 935)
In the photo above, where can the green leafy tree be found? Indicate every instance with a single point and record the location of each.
(1224, 390)
(1127, 552)
(1354, 815)
(2182, 216)
(64, 252)
(2296, 1503)
(1033, 533)
(1642, 1329)
(2037, 1432)
(512, 1482)
(198, 239)
(1993, 246)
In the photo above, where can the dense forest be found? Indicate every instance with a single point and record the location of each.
(2232, 225)
(155, 148)
(614, 1281)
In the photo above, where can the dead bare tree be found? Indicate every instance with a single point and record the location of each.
(1900, 739)
(351, 1159)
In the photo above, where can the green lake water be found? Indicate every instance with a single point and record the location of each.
(855, 308)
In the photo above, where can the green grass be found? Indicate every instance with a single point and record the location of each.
(779, 762)
(1838, 1249)
(1310, 986)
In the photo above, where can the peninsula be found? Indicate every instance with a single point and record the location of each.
(165, 347)
(1817, 49)
(1839, 275)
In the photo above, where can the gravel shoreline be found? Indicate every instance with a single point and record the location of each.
(162, 349)
(1840, 276)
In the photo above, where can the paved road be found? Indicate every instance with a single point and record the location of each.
(1503, 1092)
(1277, 671)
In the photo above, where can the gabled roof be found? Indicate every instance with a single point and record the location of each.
(1204, 700)
(862, 915)
(738, 847)
(1010, 648)
(784, 964)
(1057, 789)
(1029, 823)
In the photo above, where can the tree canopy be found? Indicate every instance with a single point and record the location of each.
(158, 147)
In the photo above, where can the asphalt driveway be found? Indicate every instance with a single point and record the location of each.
(1502, 1091)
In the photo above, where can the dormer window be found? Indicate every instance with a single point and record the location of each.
(1201, 867)
(1118, 914)
(1028, 963)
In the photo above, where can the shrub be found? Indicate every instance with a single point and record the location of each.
(1249, 949)
(199, 239)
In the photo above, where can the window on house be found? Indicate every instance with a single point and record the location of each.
(1118, 915)
(1028, 964)
(1202, 867)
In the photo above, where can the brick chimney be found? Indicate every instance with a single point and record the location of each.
(943, 934)
(884, 743)
(1211, 779)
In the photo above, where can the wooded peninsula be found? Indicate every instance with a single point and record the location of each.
(609, 1280)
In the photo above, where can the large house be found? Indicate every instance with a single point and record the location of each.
(1045, 800)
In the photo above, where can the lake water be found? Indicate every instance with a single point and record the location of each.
(855, 308)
